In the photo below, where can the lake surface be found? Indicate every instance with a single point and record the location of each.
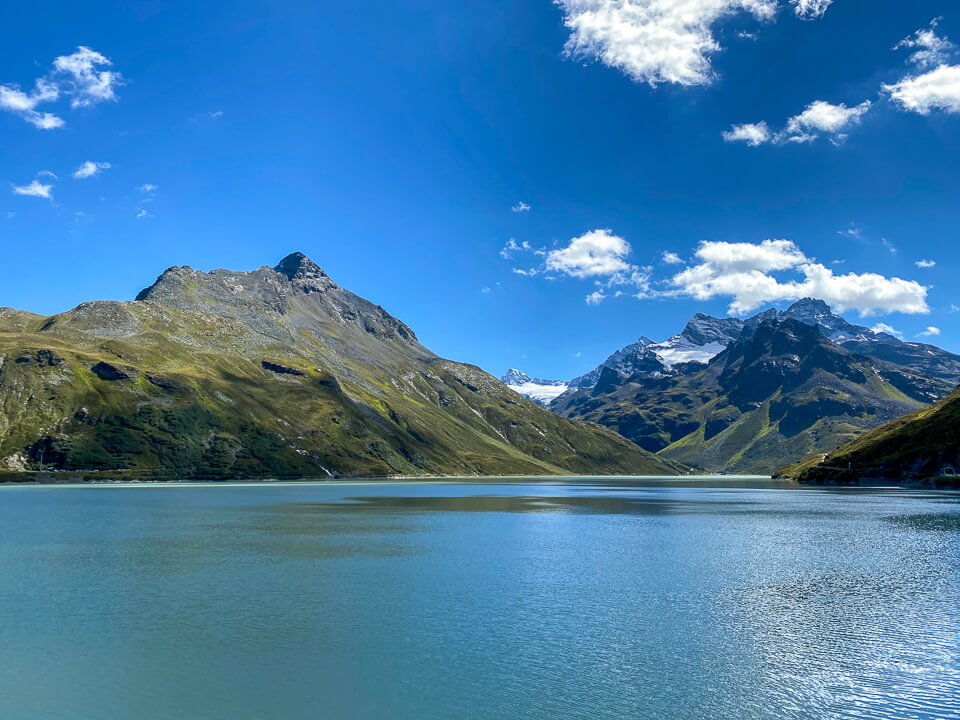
(588, 598)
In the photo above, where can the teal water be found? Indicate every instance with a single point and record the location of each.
(577, 599)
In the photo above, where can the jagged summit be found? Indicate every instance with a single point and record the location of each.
(304, 272)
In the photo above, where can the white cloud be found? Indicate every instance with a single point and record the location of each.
(512, 247)
(854, 231)
(925, 263)
(822, 117)
(84, 82)
(936, 90)
(818, 118)
(744, 272)
(216, 114)
(888, 329)
(75, 76)
(671, 258)
(807, 9)
(654, 41)
(746, 257)
(13, 99)
(929, 48)
(47, 173)
(753, 134)
(929, 332)
(484, 290)
(594, 254)
(89, 169)
(148, 188)
(141, 213)
(520, 207)
(889, 246)
(596, 297)
(34, 189)
(11, 215)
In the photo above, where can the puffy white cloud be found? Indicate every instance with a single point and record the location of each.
(818, 118)
(744, 273)
(76, 76)
(744, 257)
(671, 258)
(520, 207)
(84, 82)
(822, 117)
(593, 254)
(753, 134)
(930, 332)
(34, 189)
(89, 169)
(596, 297)
(929, 48)
(935, 90)
(888, 329)
(808, 9)
(925, 263)
(654, 41)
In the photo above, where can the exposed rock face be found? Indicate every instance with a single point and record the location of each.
(111, 373)
(274, 372)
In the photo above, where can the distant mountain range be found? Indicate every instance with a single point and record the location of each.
(735, 395)
(277, 372)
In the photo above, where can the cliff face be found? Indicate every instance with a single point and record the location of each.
(274, 372)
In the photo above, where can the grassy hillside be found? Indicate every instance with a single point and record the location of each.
(913, 449)
(279, 373)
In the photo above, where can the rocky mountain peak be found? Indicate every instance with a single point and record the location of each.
(515, 377)
(304, 273)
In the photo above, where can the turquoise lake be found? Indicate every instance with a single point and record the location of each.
(584, 598)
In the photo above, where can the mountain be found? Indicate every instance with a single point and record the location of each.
(541, 391)
(780, 391)
(270, 373)
(704, 337)
(917, 449)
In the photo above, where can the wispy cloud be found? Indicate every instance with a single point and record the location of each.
(520, 207)
(854, 231)
(671, 258)
(89, 169)
(888, 329)
(925, 263)
(513, 247)
(818, 119)
(891, 248)
(141, 214)
(148, 188)
(34, 189)
(930, 332)
(77, 76)
(929, 49)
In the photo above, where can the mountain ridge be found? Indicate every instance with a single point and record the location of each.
(274, 372)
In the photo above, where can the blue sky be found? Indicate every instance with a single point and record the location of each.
(769, 148)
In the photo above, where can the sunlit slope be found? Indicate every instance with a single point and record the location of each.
(275, 372)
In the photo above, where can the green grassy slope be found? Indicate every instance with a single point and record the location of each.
(911, 448)
(275, 373)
